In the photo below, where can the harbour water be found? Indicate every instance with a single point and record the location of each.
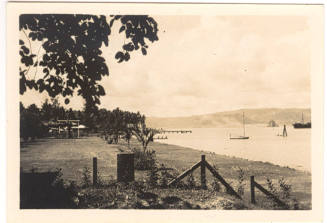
(263, 145)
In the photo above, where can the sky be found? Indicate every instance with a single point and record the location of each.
(207, 64)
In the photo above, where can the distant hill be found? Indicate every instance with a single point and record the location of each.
(232, 118)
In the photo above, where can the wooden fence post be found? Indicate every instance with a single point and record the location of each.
(203, 172)
(95, 171)
(184, 174)
(204, 164)
(252, 190)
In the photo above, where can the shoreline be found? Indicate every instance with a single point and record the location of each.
(236, 157)
(78, 152)
(191, 156)
(293, 151)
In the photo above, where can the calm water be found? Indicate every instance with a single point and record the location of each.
(264, 144)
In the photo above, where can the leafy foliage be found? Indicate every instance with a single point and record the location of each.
(52, 110)
(240, 179)
(216, 184)
(143, 134)
(283, 191)
(144, 160)
(72, 56)
(285, 188)
(271, 187)
(117, 123)
(153, 176)
(191, 181)
(86, 177)
(35, 122)
(166, 175)
(46, 190)
(31, 125)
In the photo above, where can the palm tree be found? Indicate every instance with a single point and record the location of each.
(143, 134)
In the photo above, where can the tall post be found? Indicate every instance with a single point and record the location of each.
(203, 172)
(95, 171)
(243, 125)
(252, 190)
(284, 131)
(78, 129)
(125, 167)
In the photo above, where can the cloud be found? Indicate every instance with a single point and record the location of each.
(204, 64)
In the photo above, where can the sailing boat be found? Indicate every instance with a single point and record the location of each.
(240, 137)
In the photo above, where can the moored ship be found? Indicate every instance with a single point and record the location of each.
(302, 125)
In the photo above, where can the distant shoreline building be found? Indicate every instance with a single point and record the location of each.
(272, 123)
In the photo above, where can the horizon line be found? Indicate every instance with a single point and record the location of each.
(233, 110)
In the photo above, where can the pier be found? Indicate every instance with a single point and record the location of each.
(174, 131)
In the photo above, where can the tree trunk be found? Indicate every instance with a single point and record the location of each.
(144, 147)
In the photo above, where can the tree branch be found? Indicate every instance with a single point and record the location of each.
(37, 59)
(29, 41)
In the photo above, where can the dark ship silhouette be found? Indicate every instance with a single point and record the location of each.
(302, 125)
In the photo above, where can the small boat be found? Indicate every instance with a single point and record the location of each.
(240, 137)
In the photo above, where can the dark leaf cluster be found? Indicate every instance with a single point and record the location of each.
(117, 123)
(137, 29)
(72, 56)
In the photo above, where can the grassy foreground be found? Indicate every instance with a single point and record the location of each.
(73, 155)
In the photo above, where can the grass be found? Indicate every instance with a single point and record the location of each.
(73, 155)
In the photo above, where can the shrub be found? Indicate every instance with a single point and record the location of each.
(153, 176)
(239, 205)
(86, 177)
(164, 176)
(144, 160)
(271, 187)
(216, 184)
(285, 189)
(100, 180)
(191, 181)
(46, 190)
(31, 126)
(232, 204)
(240, 180)
(283, 193)
(273, 190)
(226, 204)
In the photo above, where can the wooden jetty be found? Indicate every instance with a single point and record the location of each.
(163, 137)
(174, 131)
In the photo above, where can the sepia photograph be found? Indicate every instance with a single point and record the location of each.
(176, 107)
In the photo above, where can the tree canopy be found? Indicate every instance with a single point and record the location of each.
(72, 58)
(35, 122)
